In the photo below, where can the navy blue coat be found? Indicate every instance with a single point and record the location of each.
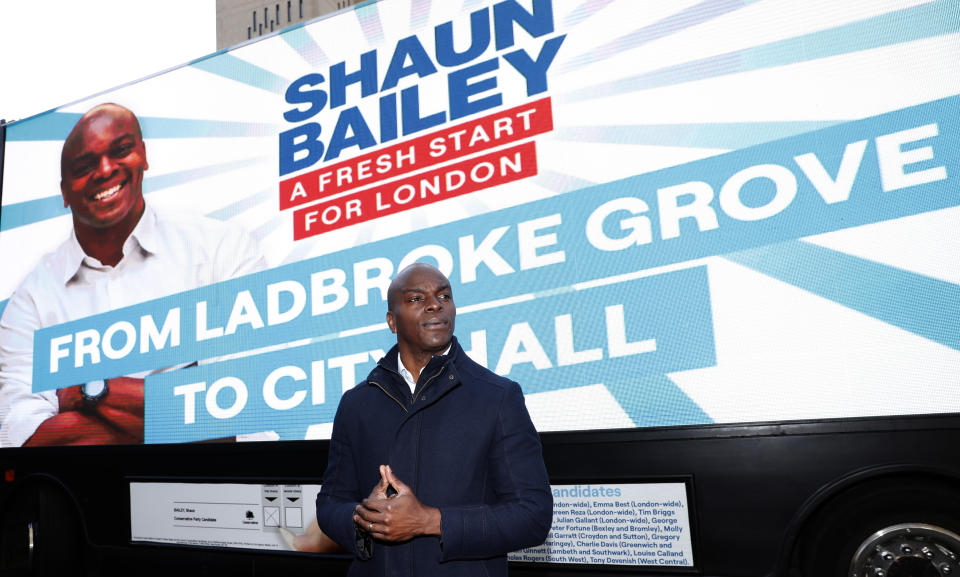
(465, 444)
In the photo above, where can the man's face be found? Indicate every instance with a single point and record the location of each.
(102, 168)
(422, 310)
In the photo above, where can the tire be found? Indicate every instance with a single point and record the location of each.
(897, 527)
(41, 531)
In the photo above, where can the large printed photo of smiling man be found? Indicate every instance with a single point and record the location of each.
(121, 251)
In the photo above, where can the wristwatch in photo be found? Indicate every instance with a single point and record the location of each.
(92, 392)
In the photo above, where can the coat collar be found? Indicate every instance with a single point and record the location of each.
(436, 379)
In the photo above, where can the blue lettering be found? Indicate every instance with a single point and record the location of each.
(352, 122)
(410, 109)
(536, 23)
(447, 55)
(461, 89)
(303, 137)
(366, 76)
(535, 71)
(317, 99)
(472, 86)
(388, 117)
(420, 63)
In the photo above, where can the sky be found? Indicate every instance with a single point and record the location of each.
(59, 51)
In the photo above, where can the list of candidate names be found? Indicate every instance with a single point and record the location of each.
(620, 524)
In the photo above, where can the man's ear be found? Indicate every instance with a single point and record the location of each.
(63, 193)
(391, 322)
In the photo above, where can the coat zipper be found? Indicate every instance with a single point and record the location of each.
(416, 472)
(427, 384)
(386, 392)
(414, 399)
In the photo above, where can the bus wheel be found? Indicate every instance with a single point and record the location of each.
(896, 527)
(41, 531)
(908, 550)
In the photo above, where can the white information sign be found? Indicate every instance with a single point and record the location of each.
(617, 524)
(236, 515)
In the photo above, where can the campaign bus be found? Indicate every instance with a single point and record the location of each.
(716, 242)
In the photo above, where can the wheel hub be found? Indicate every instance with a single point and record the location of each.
(908, 550)
(912, 567)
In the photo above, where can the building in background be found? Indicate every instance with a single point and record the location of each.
(242, 20)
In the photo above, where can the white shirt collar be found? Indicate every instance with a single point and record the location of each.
(143, 236)
(407, 375)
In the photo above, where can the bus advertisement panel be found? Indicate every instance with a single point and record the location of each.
(674, 214)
